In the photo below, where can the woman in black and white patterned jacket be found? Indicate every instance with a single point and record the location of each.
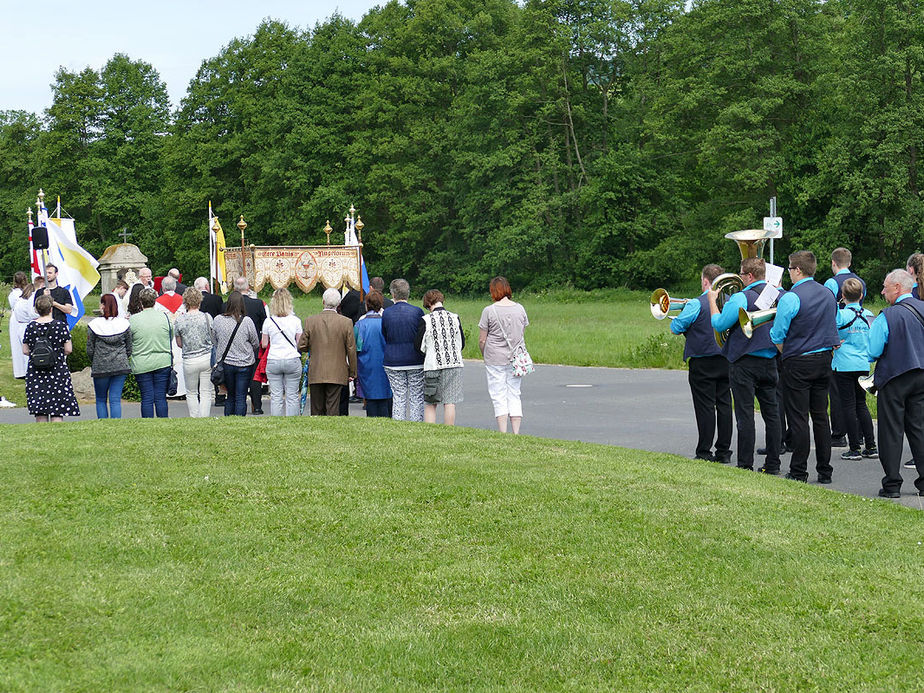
(441, 340)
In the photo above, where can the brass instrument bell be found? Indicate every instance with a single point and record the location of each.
(751, 321)
(662, 304)
(866, 382)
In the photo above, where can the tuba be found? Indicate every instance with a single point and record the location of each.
(662, 304)
(751, 243)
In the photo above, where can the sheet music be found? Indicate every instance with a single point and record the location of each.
(774, 274)
(767, 296)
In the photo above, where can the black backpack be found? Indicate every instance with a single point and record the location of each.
(43, 356)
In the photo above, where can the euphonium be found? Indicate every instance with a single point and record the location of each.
(662, 304)
(754, 319)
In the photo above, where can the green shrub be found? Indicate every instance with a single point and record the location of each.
(658, 351)
(131, 392)
(78, 359)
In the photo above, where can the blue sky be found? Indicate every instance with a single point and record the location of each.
(175, 36)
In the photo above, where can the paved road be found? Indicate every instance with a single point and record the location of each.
(641, 409)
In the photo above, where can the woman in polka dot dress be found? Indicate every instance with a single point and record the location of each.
(49, 392)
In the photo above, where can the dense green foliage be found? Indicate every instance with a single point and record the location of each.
(583, 142)
(359, 554)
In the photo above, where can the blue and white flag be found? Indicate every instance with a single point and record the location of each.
(77, 271)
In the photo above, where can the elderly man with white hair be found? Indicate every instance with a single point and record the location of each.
(170, 302)
(896, 343)
(328, 338)
(146, 278)
(211, 303)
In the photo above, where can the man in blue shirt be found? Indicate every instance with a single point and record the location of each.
(753, 369)
(708, 373)
(805, 331)
(840, 268)
(896, 342)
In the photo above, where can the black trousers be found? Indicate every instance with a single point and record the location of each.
(805, 379)
(753, 376)
(785, 433)
(838, 414)
(256, 391)
(712, 407)
(857, 420)
(901, 411)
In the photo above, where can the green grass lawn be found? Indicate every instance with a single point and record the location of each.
(355, 554)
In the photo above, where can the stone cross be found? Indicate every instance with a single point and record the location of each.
(125, 234)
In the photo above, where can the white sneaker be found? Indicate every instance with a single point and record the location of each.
(5, 403)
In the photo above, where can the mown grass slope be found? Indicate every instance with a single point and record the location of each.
(368, 554)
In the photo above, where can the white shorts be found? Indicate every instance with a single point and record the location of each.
(504, 389)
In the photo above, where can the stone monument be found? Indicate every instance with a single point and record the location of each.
(117, 257)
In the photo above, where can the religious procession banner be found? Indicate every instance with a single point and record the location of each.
(332, 265)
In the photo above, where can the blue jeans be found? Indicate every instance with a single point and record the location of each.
(237, 380)
(153, 386)
(110, 387)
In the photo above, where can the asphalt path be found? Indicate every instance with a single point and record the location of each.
(640, 409)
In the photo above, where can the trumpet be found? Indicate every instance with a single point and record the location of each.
(751, 321)
(866, 382)
(662, 304)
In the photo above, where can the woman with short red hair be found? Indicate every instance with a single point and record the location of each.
(501, 331)
(109, 347)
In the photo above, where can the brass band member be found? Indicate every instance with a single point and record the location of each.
(915, 267)
(805, 331)
(753, 369)
(896, 339)
(708, 373)
(840, 268)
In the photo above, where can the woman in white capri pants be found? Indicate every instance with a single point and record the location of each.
(501, 331)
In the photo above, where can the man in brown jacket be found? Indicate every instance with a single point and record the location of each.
(328, 337)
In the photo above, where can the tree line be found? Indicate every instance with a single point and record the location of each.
(559, 142)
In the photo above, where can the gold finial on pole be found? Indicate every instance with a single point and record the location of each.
(327, 230)
(359, 229)
(29, 212)
(242, 225)
(41, 199)
(352, 211)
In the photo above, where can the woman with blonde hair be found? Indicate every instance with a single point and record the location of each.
(194, 337)
(281, 331)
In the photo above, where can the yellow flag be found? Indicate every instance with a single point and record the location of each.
(220, 253)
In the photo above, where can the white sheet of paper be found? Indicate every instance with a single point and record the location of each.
(767, 296)
(774, 274)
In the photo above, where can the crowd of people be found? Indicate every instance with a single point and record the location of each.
(811, 354)
(180, 342)
(404, 361)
